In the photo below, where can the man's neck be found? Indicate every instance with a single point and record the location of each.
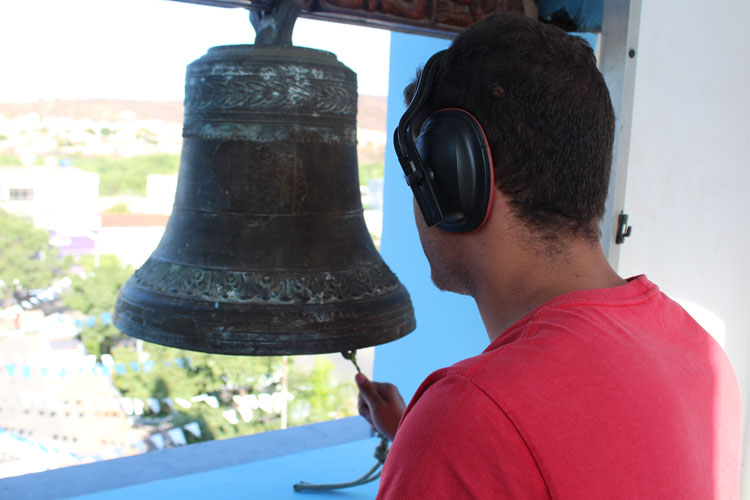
(522, 280)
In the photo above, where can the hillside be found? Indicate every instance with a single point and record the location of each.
(371, 113)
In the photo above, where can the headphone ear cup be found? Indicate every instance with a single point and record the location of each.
(457, 157)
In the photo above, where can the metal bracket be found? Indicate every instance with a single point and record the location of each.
(274, 26)
(623, 230)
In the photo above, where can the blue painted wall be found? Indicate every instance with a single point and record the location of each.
(448, 325)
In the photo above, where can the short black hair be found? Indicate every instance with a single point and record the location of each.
(547, 115)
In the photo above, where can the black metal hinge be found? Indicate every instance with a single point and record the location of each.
(623, 230)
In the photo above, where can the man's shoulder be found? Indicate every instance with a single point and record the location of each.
(584, 339)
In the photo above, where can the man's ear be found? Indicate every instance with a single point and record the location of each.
(455, 153)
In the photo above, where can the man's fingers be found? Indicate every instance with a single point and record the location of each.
(388, 392)
(380, 404)
(363, 408)
(368, 391)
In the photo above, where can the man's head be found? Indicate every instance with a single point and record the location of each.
(547, 115)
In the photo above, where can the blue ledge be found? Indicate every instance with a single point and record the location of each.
(271, 479)
(258, 466)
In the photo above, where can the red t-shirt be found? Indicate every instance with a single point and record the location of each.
(602, 394)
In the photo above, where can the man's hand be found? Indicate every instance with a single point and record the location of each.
(381, 404)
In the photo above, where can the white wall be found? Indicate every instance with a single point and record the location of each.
(132, 245)
(688, 178)
(65, 200)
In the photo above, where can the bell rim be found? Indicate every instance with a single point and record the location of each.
(393, 319)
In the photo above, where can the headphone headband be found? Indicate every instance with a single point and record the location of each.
(406, 149)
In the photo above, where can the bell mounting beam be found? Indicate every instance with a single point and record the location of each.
(443, 18)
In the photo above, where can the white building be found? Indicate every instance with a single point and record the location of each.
(63, 200)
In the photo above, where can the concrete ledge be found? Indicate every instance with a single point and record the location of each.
(200, 457)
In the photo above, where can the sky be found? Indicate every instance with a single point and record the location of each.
(138, 49)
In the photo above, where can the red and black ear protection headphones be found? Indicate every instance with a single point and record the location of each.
(449, 166)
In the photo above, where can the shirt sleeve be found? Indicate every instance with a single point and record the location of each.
(455, 442)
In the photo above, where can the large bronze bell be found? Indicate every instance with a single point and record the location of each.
(266, 251)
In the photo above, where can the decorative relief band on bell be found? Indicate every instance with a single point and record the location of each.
(250, 287)
(242, 101)
(272, 93)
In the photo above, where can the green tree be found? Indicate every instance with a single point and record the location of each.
(318, 396)
(27, 260)
(182, 375)
(174, 373)
(7, 160)
(369, 171)
(118, 208)
(94, 291)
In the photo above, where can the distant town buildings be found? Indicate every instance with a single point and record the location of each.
(47, 137)
(65, 201)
